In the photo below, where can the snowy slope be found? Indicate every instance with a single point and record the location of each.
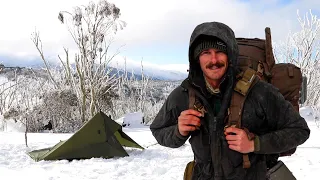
(155, 162)
(305, 163)
(171, 72)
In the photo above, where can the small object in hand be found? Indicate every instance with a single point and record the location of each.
(200, 108)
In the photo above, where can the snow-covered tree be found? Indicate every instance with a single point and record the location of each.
(139, 94)
(132, 93)
(88, 80)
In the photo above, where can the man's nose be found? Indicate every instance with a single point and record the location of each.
(213, 57)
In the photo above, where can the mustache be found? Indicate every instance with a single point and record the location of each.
(218, 64)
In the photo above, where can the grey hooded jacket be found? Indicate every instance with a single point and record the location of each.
(266, 114)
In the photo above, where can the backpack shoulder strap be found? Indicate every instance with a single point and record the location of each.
(246, 81)
(241, 90)
(192, 97)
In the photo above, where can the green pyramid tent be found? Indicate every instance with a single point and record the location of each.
(99, 137)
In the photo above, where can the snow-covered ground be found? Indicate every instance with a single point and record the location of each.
(155, 162)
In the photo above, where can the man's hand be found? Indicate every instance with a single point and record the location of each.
(188, 121)
(239, 140)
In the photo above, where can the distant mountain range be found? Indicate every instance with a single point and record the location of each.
(151, 71)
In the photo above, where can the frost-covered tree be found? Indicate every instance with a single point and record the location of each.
(88, 79)
(20, 95)
(139, 94)
(131, 93)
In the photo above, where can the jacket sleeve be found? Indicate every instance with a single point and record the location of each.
(289, 129)
(165, 125)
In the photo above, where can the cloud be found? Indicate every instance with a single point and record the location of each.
(153, 24)
(173, 21)
(20, 18)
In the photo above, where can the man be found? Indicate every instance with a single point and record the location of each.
(218, 152)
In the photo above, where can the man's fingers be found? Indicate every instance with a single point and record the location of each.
(232, 137)
(195, 124)
(189, 120)
(188, 128)
(233, 130)
(191, 112)
(236, 143)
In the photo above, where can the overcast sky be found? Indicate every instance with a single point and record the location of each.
(157, 31)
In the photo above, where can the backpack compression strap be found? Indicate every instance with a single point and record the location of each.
(269, 54)
(243, 86)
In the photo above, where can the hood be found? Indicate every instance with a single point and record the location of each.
(218, 30)
(226, 34)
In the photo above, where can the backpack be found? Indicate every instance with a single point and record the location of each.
(256, 62)
(257, 54)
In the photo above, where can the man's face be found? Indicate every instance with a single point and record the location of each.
(214, 64)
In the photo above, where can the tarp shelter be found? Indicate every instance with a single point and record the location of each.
(99, 137)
